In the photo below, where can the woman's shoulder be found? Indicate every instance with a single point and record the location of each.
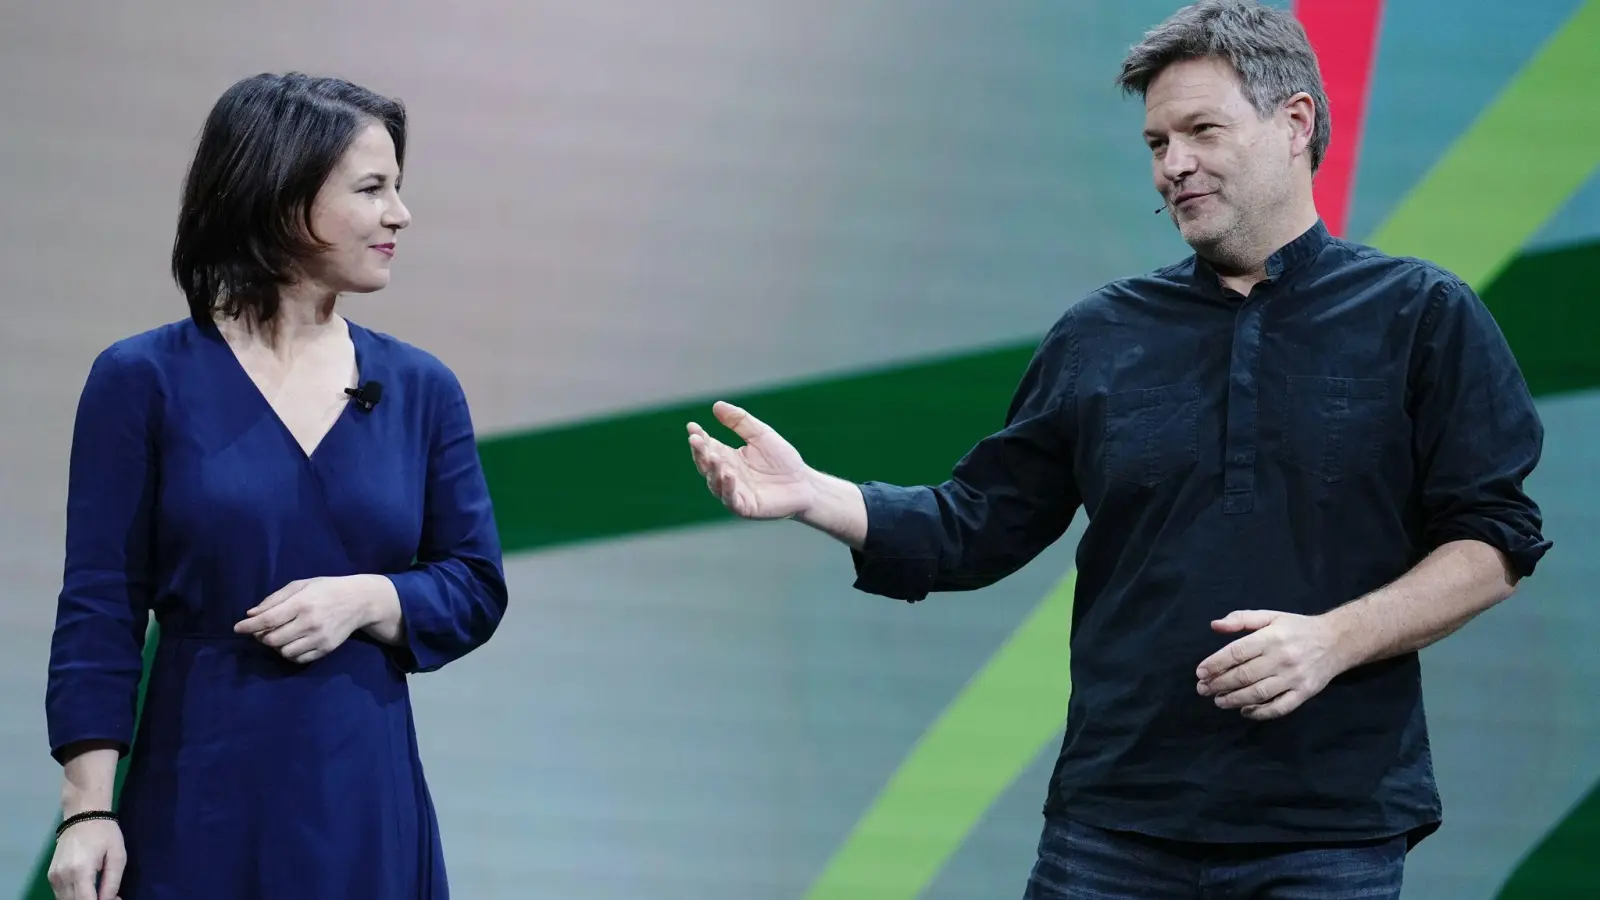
(148, 353)
(155, 343)
(403, 360)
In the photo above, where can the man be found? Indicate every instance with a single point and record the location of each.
(1302, 460)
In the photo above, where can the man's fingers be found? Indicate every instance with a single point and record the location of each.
(740, 422)
(697, 452)
(728, 490)
(1234, 678)
(701, 445)
(1236, 653)
(717, 463)
(715, 471)
(1286, 703)
(709, 454)
(1254, 694)
(1245, 620)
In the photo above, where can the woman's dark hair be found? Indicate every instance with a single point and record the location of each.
(267, 147)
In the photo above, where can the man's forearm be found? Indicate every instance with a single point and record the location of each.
(1445, 591)
(838, 510)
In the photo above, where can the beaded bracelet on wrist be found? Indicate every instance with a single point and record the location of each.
(84, 816)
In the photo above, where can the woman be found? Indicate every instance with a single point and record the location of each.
(298, 501)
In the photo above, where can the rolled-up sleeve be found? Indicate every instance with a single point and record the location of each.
(1478, 434)
(1008, 498)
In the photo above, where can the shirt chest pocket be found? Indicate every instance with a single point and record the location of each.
(1151, 434)
(1334, 427)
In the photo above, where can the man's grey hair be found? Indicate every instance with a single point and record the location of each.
(1266, 47)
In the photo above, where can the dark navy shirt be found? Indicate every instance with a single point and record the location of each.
(1291, 450)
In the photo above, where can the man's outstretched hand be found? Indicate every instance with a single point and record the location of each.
(764, 479)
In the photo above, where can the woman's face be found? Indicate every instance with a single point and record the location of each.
(358, 213)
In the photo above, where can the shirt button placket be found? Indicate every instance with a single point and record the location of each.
(1239, 457)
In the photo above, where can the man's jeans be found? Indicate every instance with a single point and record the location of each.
(1078, 862)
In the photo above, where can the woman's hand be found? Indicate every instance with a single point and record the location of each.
(85, 851)
(308, 619)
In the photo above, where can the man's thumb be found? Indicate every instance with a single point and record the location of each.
(740, 422)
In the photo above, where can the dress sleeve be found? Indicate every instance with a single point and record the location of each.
(96, 651)
(454, 595)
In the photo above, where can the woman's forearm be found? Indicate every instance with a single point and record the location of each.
(382, 619)
(89, 777)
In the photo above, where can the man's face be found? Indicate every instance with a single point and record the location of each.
(1222, 169)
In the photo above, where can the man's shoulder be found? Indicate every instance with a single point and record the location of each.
(1400, 276)
(1114, 299)
(1342, 253)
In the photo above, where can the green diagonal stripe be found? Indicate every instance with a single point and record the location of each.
(1549, 308)
(994, 728)
(632, 474)
(1533, 147)
(1563, 865)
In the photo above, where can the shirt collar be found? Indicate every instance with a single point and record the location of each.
(1291, 256)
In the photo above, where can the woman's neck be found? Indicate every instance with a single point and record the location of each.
(301, 320)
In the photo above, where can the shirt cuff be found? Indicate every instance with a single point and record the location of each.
(895, 559)
(1522, 550)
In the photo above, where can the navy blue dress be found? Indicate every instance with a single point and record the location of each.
(252, 776)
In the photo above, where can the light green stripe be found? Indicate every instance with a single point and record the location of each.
(994, 729)
(1531, 149)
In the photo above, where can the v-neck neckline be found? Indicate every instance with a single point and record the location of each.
(353, 331)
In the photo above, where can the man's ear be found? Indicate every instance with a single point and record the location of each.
(1300, 112)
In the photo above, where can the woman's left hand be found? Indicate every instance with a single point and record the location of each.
(308, 619)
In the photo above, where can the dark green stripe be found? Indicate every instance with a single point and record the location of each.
(1548, 304)
(631, 474)
(1563, 865)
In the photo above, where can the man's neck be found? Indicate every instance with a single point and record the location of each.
(1245, 268)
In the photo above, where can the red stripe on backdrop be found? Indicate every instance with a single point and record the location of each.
(1345, 36)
